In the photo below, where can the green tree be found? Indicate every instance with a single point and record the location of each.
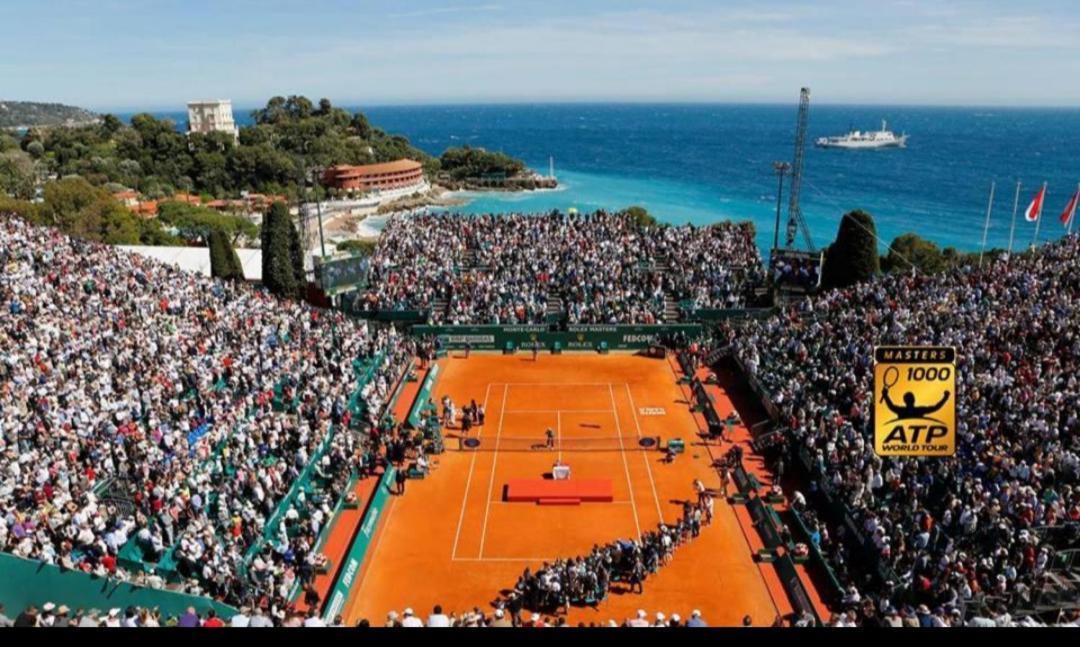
(358, 247)
(151, 232)
(909, 250)
(640, 216)
(197, 222)
(18, 176)
(36, 149)
(119, 226)
(110, 125)
(24, 209)
(80, 209)
(296, 255)
(468, 162)
(7, 143)
(224, 262)
(361, 126)
(278, 269)
(853, 256)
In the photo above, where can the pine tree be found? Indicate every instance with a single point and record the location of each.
(296, 257)
(853, 257)
(224, 263)
(279, 270)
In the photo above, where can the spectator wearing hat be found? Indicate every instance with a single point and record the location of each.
(48, 615)
(410, 620)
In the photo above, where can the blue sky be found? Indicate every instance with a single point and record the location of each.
(157, 54)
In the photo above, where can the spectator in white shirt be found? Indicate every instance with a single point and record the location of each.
(438, 618)
(410, 620)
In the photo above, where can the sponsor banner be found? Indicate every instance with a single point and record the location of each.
(347, 575)
(524, 329)
(468, 339)
(591, 328)
(577, 337)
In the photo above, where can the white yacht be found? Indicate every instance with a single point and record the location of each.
(883, 138)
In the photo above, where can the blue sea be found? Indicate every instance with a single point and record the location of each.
(702, 163)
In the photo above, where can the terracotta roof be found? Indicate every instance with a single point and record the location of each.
(397, 166)
(148, 208)
(186, 197)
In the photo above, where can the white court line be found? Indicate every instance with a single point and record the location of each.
(558, 427)
(504, 559)
(560, 411)
(501, 502)
(494, 459)
(558, 383)
(468, 481)
(644, 455)
(626, 466)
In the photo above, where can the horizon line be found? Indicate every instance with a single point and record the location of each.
(585, 102)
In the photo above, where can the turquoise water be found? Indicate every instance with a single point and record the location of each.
(672, 201)
(710, 162)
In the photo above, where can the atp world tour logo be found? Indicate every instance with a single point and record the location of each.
(914, 401)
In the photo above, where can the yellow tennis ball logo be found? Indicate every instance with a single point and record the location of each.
(915, 401)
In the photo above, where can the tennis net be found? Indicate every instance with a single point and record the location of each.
(575, 444)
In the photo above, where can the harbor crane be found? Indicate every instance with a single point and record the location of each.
(790, 282)
(795, 217)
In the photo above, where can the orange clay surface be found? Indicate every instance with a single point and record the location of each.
(452, 540)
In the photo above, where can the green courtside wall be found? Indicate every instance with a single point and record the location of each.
(422, 397)
(576, 337)
(27, 582)
(346, 577)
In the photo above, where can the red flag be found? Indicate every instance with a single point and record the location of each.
(1034, 209)
(1070, 209)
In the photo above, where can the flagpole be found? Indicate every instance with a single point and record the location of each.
(1012, 228)
(1069, 230)
(986, 225)
(1038, 218)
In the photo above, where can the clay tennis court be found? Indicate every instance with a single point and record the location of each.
(454, 540)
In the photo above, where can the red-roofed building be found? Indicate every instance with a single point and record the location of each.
(147, 209)
(399, 174)
(186, 198)
(128, 197)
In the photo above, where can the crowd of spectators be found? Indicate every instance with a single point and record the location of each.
(152, 421)
(603, 267)
(982, 525)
